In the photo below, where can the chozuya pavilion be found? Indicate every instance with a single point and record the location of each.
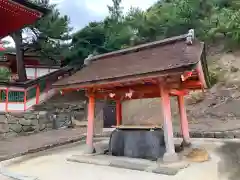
(161, 69)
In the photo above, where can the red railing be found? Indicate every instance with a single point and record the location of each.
(23, 92)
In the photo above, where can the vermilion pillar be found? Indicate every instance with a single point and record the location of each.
(37, 94)
(90, 127)
(201, 74)
(170, 154)
(25, 100)
(184, 121)
(118, 112)
(6, 105)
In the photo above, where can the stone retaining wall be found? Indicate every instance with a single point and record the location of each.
(22, 124)
(231, 134)
(18, 124)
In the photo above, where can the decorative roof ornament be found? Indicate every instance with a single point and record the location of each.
(2, 48)
(190, 37)
(87, 60)
(112, 95)
(129, 94)
(61, 92)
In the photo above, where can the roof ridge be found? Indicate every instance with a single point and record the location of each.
(140, 47)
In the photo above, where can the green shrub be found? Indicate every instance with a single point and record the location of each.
(4, 74)
(213, 77)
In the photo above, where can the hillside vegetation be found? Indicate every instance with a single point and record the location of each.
(215, 21)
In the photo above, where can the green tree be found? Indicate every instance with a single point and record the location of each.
(212, 20)
(118, 34)
(89, 40)
(46, 37)
(101, 37)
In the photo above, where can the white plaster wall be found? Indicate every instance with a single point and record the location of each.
(16, 106)
(31, 103)
(42, 71)
(53, 70)
(2, 106)
(30, 73)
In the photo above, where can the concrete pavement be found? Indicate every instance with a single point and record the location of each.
(53, 164)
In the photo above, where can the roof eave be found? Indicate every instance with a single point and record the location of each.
(33, 6)
(131, 78)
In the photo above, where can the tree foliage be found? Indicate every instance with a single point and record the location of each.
(47, 38)
(213, 20)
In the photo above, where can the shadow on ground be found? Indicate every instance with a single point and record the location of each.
(230, 160)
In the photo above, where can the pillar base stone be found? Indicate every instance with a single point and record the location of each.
(89, 150)
(170, 157)
(186, 144)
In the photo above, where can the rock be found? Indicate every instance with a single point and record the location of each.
(10, 134)
(128, 165)
(236, 133)
(42, 114)
(12, 120)
(196, 134)
(42, 119)
(116, 144)
(4, 128)
(25, 122)
(208, 134)
(17, 115)
(166, 171)
(49, 126)
(229, 134)
(16, 128)
(101, 148)
(30, 116)
(34, 122)
(3, 119)
(177, 134)
(42, 127)
(137, 143)
(218, 135)
(80, 116)
(28, 128)
(236, 95)
(198, 155)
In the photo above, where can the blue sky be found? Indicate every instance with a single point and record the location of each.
(83, 11)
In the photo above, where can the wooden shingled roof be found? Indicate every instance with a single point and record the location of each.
(168, 55)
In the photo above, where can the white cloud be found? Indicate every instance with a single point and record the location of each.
(10, 40)
(100, 7)
(83, 11)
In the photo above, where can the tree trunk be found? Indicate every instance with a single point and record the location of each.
(21, 71)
